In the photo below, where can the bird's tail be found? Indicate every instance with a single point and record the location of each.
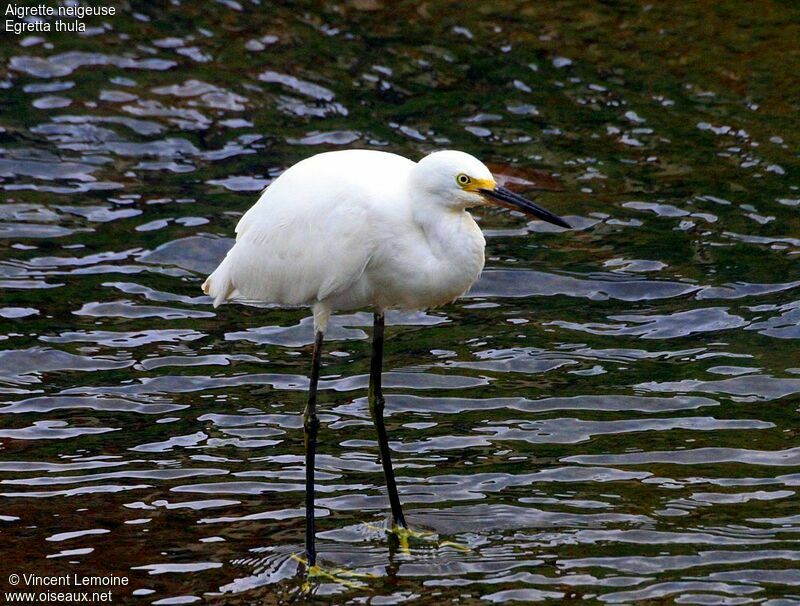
(219, 284)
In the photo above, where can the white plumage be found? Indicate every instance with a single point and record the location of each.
(350, 229)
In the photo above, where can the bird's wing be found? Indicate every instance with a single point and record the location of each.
(295, 254)
(313, 231)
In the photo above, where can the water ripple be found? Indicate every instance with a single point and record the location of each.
(609, 415)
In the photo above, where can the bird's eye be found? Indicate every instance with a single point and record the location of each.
(463, 179)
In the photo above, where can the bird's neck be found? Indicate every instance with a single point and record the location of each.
(451, 231)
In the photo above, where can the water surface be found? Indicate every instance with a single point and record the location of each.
(611, 415)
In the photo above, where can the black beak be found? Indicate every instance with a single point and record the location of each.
(506, 197)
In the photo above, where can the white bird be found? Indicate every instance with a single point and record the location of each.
(352, 229)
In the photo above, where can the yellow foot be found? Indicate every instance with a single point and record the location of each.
(340, 576)
(405, 536)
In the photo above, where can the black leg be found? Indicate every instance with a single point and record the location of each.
(311, 427)
(376, 406)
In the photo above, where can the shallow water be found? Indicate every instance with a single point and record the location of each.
(610, 415)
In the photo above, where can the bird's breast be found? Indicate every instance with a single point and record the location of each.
(430, 268)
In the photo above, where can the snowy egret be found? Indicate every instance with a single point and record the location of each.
(351, 229)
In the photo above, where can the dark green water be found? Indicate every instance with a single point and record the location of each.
(610, 416)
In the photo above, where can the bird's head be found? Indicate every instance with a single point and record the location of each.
(459, 180)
